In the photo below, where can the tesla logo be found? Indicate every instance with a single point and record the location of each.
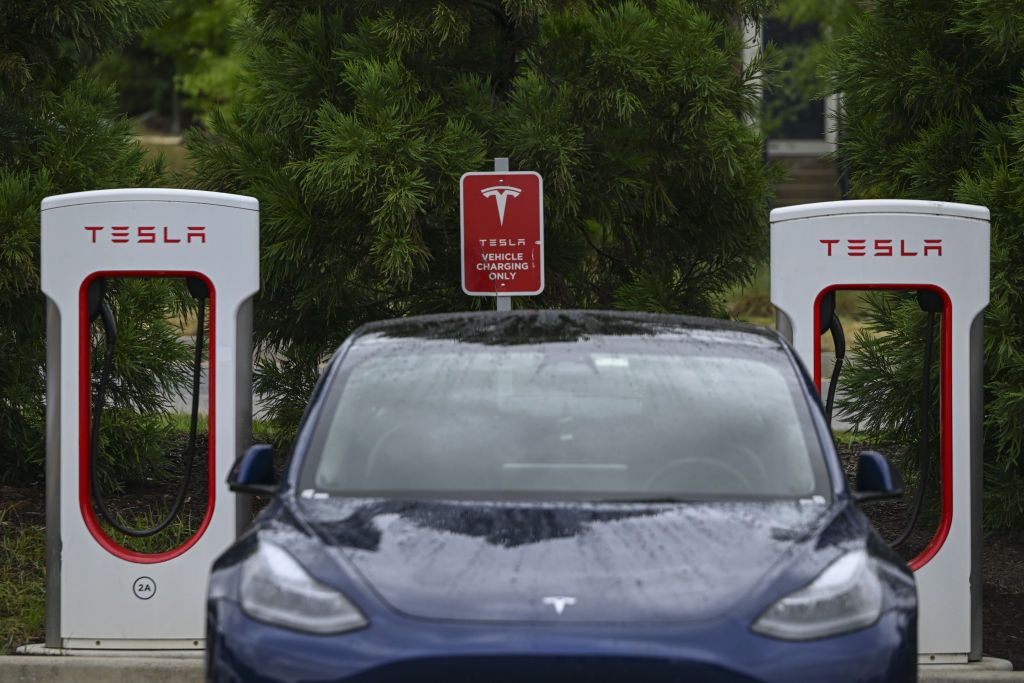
(146, 234)
(559, 602)
(883, 247)
(501, 193)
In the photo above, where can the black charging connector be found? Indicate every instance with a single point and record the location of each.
(828, 321)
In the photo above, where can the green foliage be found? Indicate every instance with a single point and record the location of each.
(934, 109)
(150, 366)
(799, 78)
(286, 379)
(196, 38)
(45, 43)
(22, 579)
(58, 133)
(182, 67)
(883, 378)
(363, 115)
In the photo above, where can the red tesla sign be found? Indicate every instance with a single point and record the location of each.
(502, 233)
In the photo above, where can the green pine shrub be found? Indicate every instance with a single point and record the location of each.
(59, 132)
(934, 109)
(150, 366)
(360, 117)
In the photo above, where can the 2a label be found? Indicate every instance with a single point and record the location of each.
(144, 588)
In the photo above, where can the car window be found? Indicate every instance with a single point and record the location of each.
(567, 421)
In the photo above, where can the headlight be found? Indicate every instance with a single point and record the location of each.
(276, 589)
(845, 597)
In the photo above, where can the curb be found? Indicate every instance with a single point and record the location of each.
(970, 676)
(988, 669)
(92, 669)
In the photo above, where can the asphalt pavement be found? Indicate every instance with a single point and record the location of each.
(167, 668)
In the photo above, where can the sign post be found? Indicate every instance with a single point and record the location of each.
(502, 228)
(503, 302)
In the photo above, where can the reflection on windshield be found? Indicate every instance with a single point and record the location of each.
(566, 420)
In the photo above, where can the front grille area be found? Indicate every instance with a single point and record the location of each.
(545, 669)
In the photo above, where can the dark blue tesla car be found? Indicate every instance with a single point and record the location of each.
(562, 496)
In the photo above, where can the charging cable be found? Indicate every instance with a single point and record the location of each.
(98, 307)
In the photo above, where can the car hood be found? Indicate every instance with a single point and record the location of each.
(544, 562)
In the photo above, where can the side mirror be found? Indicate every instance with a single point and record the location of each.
(876, 478)
(254, 472)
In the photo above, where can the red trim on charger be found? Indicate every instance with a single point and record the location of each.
(946, 408)
(85, 408)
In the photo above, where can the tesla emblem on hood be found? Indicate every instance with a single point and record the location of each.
(559, 602)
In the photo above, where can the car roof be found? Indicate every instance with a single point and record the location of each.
(558, 325)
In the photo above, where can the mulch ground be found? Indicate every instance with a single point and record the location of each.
(1002, 555)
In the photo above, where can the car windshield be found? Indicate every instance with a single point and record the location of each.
(600, 418)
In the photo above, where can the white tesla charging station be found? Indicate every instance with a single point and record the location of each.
(100, 595)
(904, 244)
